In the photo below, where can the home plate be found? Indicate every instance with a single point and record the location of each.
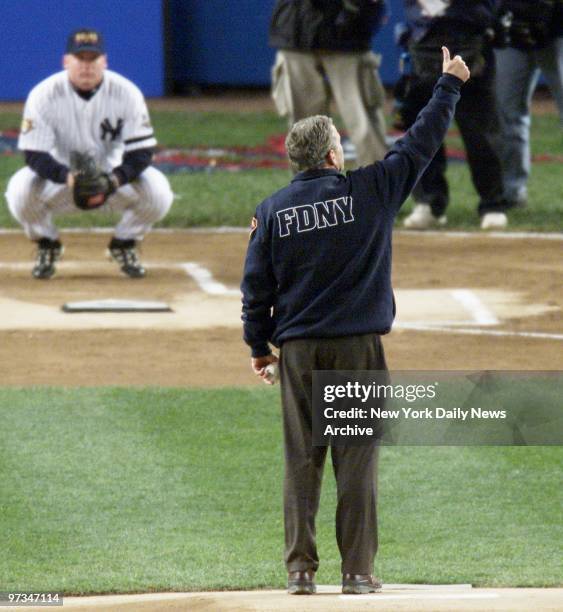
(111, 305)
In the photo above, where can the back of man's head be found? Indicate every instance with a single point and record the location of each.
(309, 142)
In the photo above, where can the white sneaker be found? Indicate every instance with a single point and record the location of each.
(422, 218)
(494, 221)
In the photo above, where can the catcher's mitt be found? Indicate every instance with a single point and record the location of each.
(92, 186)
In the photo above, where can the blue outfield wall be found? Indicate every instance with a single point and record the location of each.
(34, 32)
(208, 42)
(222, 42)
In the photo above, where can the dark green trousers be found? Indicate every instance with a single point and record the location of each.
(355, 467)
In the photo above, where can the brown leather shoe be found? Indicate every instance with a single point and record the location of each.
(301, 583)
(360, 584)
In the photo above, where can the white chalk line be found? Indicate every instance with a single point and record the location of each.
(375, 597)
(480, 234)
(205, 280)
(477, 332)
(201, 275)
(436, 323)
(469, 300)
(228, 229)
(409, 586)
(207, 283)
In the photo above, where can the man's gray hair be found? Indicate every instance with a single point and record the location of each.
(309, 141)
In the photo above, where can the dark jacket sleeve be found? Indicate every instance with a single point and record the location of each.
(133, 163)
(46, 166)
(258, 290)
(398, 173)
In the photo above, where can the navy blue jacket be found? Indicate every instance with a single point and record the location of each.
(318, 263)
(473, 16)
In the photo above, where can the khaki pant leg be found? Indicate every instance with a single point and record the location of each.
(299, 87)
(359, 96)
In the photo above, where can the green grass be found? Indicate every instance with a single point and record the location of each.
(225, 198)
(181, 129)
(544, 211)
(113, 490)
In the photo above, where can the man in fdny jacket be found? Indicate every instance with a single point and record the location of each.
(317, 283)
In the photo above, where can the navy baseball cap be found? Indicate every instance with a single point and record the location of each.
(85, 40)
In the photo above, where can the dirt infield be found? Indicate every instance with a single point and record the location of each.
(464, 302)
(423, 598)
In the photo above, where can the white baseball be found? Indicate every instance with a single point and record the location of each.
(272, 372)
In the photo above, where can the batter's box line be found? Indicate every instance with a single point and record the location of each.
(474, 331)
(472, 304)
(205, 281)
(201, 275)
(376, 597)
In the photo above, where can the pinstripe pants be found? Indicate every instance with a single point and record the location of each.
(355, 467)
(34, 201)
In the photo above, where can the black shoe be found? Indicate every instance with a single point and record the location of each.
(301, 583)
(48, 253)
(123, 251)
(360, 584)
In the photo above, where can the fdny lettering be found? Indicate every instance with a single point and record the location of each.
(106, 128)
(319, 215)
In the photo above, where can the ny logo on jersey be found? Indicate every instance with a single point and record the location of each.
(107, 129)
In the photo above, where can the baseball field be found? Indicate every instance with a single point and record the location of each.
(139, 454)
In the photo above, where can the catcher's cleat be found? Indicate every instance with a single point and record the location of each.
(360, 584)
(48, 253)
(124, 253)
(422, 218)
(301, 583)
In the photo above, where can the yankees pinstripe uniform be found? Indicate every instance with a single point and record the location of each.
(111, 123)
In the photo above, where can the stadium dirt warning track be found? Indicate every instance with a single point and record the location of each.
(465, 301)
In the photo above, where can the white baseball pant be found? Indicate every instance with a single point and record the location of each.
(34, 201)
